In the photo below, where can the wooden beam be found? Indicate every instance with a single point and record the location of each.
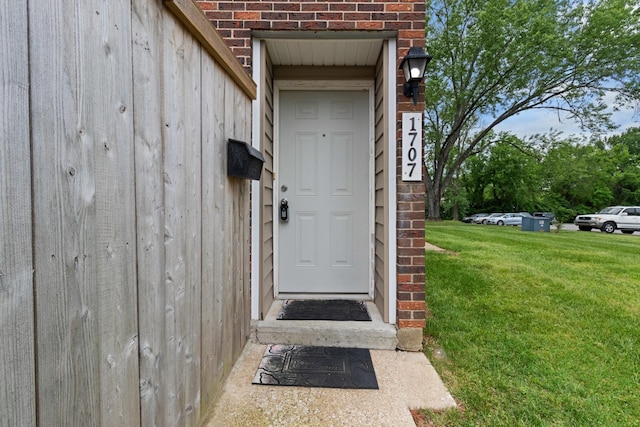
(197, 23)
(17, 353)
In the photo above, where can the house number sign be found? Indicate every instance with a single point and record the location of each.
(412, 146)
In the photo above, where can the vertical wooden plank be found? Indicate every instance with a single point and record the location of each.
(106, 74)
(197, 24)
(232, 274)
(149, 166)
(182, 186)
(64, 197)
(244, 106)
(238, 114)
(223, 223)
(236, 187)
(17, 364)
(214, 180)
(84, 213)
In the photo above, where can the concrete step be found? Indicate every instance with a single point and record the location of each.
(372, 335)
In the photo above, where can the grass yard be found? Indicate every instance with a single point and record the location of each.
(534, 329)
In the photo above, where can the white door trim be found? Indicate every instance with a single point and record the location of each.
(256, 226)
(319, 85)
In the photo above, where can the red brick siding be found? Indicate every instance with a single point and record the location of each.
(235, 18)
(407, 17)
(410, 224)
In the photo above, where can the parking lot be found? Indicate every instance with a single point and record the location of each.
(572, 227)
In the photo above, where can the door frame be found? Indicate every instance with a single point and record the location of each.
(324, 85)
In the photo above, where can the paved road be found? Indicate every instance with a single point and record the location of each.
(572, 227)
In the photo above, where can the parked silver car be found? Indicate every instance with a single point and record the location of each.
(490, 217)
(481, 219)
(514, 219)
(474, 217)
(623, 218)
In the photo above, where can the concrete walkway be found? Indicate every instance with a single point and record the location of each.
(406, 380)
(429, 247)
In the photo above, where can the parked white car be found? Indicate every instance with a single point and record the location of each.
(623, 218)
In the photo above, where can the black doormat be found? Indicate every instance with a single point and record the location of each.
(340, 310)
(331, 367)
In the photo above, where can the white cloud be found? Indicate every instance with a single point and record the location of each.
(542, 121)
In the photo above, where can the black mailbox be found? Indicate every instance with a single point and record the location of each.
(243, 160)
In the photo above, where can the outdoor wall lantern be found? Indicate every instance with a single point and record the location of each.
(413, 66)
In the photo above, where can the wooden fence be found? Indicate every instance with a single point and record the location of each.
(124, 256)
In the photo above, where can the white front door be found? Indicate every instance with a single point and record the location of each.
(324, 160)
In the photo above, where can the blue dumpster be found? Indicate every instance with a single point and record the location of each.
(536, 223)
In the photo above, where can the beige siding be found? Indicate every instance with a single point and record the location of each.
(382, 222)
(267, 220)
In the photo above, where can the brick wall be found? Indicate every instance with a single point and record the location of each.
(411, 276)
(235, 20)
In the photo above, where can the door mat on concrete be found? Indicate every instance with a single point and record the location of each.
(340, 310)
(331, 367)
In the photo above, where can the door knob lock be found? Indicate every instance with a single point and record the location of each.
(284, 210)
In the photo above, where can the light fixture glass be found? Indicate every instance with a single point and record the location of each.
(413, 65)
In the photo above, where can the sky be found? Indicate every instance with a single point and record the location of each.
(542, 121)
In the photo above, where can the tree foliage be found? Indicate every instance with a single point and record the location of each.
(565, 176)
(578, 176)
(505, 178)
(494, 59)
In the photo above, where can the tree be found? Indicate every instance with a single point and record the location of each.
(625, 148)
(506, 178)
(629, 138)
(494, 59)
(577, 176)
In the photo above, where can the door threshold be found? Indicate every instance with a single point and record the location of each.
(351, 334)
(306, 296)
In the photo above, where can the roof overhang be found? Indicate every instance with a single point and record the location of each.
(324, 48)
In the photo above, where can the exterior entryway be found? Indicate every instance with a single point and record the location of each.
(364, 78)
(323, 195)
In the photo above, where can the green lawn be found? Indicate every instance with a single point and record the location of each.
(537, 329)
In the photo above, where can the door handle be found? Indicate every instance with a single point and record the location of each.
(284, 210)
